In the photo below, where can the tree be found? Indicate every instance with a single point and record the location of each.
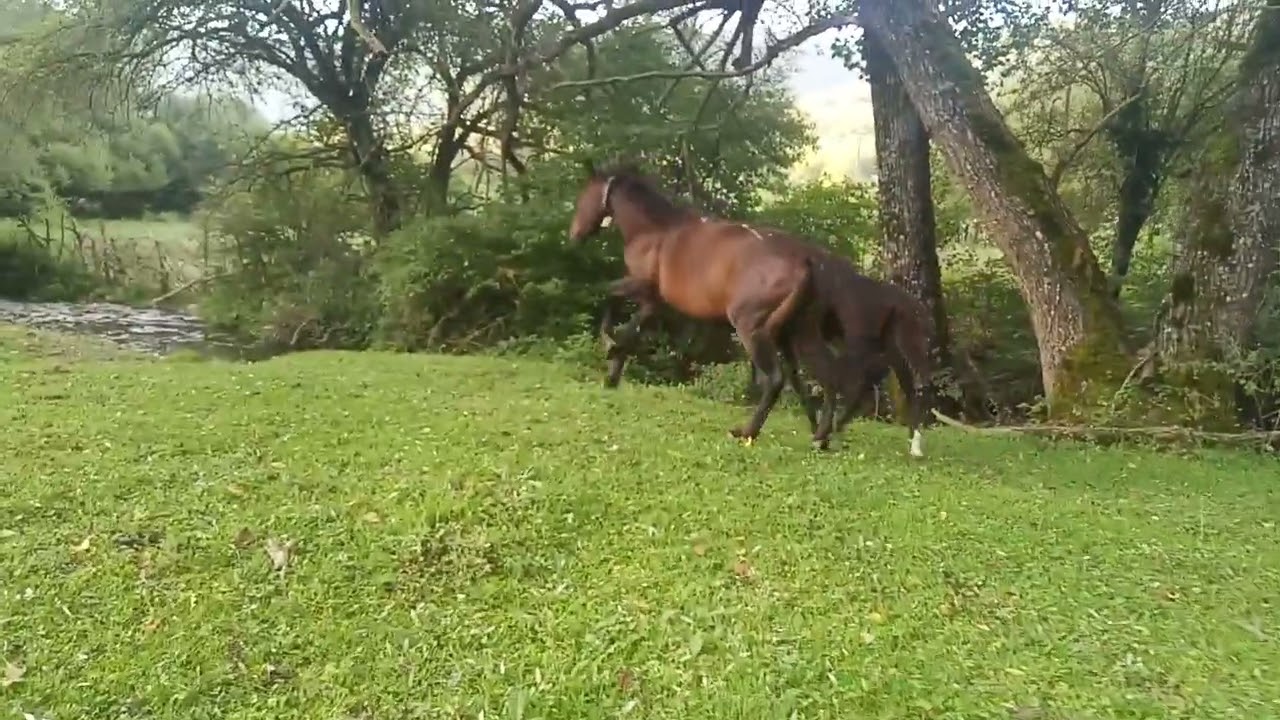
(904, 189)
(1148, 77)
(1230, 245)
(718, 141)
(467, 67)
(1083, 346)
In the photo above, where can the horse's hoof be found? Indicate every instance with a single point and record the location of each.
(823, 444)
(742, 435)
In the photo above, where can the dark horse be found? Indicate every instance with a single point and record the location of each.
(883, 328)
(705, 269)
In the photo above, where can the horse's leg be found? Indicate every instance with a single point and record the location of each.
(606, 319)
(911, 362)
(645, 296)
(797, 384)
(764, 355)
(863, 374)
(750, 321)
(818, 358)
(913, 394)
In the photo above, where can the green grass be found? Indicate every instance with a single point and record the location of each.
(167, 245)
(488, 536)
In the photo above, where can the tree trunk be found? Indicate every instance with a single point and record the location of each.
(370, 157)
(1135, 204)
(1229, 247)
(1141, 149)
(1084, 352)
(905, 199)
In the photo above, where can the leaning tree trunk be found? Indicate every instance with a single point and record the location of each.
(905, 195)
(1230, 244)
(1083, 350)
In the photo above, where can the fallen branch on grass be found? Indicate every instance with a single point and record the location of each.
(187, 286)
(1165, 433)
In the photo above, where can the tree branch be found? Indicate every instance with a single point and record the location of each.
(772, 54)
(1059, 169)
(375, 46)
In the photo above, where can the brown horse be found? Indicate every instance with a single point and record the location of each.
(883, 328)
(706, 269)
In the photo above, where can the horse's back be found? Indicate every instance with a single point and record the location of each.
(710, 265)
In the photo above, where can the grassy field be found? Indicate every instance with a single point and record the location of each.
(332, 535)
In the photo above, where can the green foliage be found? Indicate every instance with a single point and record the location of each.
(295, 253)
(32, 270)
(476, 280)
(736, 139)
(111, 164)
(1120, 77)
(839, 215)
(530, 546)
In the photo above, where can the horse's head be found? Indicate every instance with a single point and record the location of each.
(592, 207)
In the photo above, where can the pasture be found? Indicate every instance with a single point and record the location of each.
(368, 535)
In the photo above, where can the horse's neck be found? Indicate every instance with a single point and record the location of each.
(639, 231)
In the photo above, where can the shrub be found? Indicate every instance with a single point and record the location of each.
(295, 250)
(32, 270)
(473, 281)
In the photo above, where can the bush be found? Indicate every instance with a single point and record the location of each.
(475, 281)
(839, 215)
(505, 280)
(30, 270)
(296, 254)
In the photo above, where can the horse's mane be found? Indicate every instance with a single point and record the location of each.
(642, 189)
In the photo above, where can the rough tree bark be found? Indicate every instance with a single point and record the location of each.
(1083, 347)
(905, 195)
(1229, 247)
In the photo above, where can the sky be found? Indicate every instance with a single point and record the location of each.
(816, 72)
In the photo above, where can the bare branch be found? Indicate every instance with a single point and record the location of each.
(772, 54)
(1064, 164)
(1169, 434)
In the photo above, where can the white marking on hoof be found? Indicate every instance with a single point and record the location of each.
(917, 444)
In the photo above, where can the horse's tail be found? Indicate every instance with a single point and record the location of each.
(782, 319)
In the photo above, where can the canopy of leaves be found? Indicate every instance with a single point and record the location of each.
(1114, 73)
